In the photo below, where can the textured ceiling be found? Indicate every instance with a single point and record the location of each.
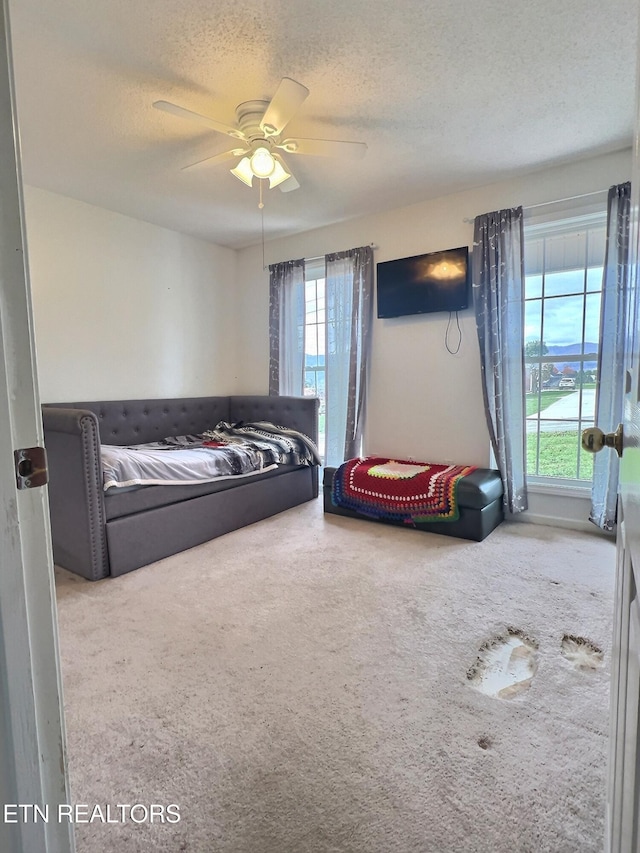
(447, 94)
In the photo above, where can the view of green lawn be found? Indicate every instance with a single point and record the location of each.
(558, 456)
(558, 450)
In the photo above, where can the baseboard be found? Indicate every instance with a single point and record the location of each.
(554, 521)
(559, 507)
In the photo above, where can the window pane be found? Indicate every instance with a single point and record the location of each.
(532, 327)
(565, 252)
(310, 388)
(310, 343)
(592, 324)
(588, 405)
(310, 299)
(534, 257)
(551, 376)
(532, 286)
(596, 243)
(571, 403)
(321, 422)
(532, 447)
(558, 283)
(586, 466)
(568, 371)
(563, 323)
(594, 278)
(532, 380)
(558, 451)
(314, 349)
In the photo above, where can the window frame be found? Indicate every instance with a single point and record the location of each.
(314, 271)
(563, 224)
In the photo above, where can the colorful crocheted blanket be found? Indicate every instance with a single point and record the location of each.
(399, 490)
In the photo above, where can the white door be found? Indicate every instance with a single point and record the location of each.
(623, 796)
(32, 753)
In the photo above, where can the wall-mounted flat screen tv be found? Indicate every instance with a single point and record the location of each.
(438, 281)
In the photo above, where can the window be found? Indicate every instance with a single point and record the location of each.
(563, 291)
(314, 342)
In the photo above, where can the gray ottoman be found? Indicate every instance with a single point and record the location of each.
(479, 499)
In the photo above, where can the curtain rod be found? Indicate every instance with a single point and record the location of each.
(557, 201)
(322, 257)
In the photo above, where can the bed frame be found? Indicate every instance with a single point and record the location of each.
(98, 536)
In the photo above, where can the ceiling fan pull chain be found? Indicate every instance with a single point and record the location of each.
(261, 206)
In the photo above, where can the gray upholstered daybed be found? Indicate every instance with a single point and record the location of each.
(98, 535)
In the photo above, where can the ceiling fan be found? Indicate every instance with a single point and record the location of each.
(259, 139)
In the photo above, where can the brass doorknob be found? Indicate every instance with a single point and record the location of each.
(593, 440)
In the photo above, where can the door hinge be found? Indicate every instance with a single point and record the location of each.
(31, 467)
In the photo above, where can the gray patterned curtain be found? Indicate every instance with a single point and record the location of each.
(611, 359)
(497, 269)
(349, 304)
(286, 328)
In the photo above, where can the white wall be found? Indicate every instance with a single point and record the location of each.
(125, 309)
(423, 402)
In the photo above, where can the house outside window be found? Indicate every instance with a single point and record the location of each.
(563, 291)
(314, 342)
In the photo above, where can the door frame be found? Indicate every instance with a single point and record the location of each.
(623, 793)
(32, 741)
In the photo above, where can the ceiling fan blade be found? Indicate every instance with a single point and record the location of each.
(284, 104)
(288, 185)
(217, 158)
(324, 148)
(211, 123)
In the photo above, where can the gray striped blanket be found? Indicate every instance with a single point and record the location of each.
(229, 450)
(284, 445)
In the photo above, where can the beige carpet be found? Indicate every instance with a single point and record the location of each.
(309, 685)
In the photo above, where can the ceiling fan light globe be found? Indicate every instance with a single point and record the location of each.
(262, 163)
(243, 171)
(279, 176)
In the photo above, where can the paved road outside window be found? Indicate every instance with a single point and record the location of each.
(563, 415)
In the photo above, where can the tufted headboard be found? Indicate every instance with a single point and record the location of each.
(140, 421)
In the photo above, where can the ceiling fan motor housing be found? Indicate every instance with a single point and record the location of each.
(249, 115)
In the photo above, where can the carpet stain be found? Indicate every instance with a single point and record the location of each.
(484, 742)
(581, 653)
(505, 665)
